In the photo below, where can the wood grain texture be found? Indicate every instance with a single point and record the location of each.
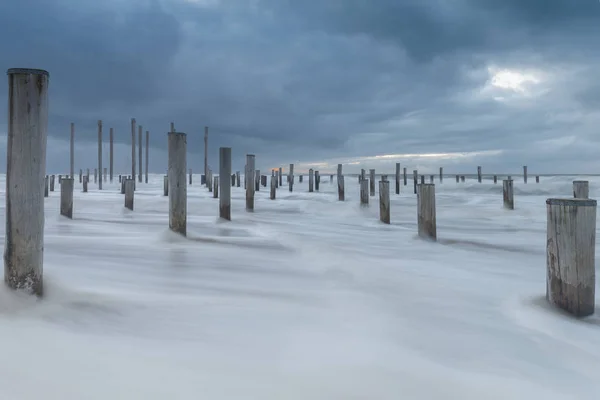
(177, 148)
(129, 193)
(384, 202)
(249, 179)
(364, 192)
(66, 197)
(426, 218)
(226, 183)
(507, 194)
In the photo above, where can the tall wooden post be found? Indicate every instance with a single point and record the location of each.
(172, 127)
(257, 180)
(100, 154)
(372, 182)
(72, 152)
(95, 175)
(129, 192)
(26, 168)
(80, 175)
(537, 179)
(525, 173)
(384, 201)
(166, 185)
(415, 177)
(581, 189)
(237, 178)
(140, 146)
(507, 194)
(86, 179)
(111, 154)
(441, 174)
(317, 180)
(105, 174)
(362, 175)
(273, 187)
(133, 147)
(495, 179)
(66, 197)
(291, 177)
(397, 178)
(176, 178)
(249, 179)
(405, 176)
(52, 177)
(216, 187)
(87, 173)
(147, 154)
(310, 180)
(426, 219)
(571, 254)
(206, 154)
(190, 177)
(479, 174)
(340, 183)
(225, 180)
(364, 192)
(280, 183)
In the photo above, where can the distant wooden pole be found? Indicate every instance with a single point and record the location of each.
(507, 194)
(225, 178)
(384, 202)
(479, 174)
(364, 192)
(415, 180)
(422, 179)
(273, 187)
(495, 179)
(457, 178)
(140, 146)
(405, 176)
(232, 180)
(166, 185)
(100, 154)
(462, 178)
(280, 183)
(190, 177)
(363, 175)
(52, 177)
(570, 255)
(111, 154)
(105, 174)
(26, 169)
(206, 154)
(80, 175)
(340, 184)
(72, 151)
(172, 127)
(441, 174)
(372, 182)
(397, 178)
(66, 197)
(430, 178)
(291, 177)
(581, 189)
(95, 175)
(86, 179)
(147, 155)
(537, 179)
(249, 179)
(525, 173)
(310, 180)
(237, 178)
(176, 178)
(87, 173)
(300, 178)
(129, 192)
(257, 180)
(426, 219)
(317, 180)
(216, 187)
(133, 147)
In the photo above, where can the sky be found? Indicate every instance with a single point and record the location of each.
(365, 83)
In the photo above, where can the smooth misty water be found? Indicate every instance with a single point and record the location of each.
(306, 298)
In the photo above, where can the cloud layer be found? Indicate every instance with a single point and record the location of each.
(430, 83)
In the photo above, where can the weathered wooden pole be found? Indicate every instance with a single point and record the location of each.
(525, 173)
(537, 179)
(166, 185)
(209, 182)
(206, 154)
(216, 187)
(111, 153)
(405, 176)
(581, 189)
(176, 179)
(341, 189)
(100, 154)
(570, 255)
(147, 155)
(280, 183)
(291, 177)
(225, 177)
(372, 182)
(59, 179)
(249, 179)
(172, 127)
(140, 146)
(237, 178)
(87, 173)
(46, 184)
(441, 174)
(507, 194)
(317, 180)
(397, 178)
(133, 147)
(495, 179)
(232, 180)
(119, 178)
(462, 178)
(52, 177)
(257, 180)
(384, 202)
(26, 168)
(72, 153)
(190, 177)
(105, 174)
(273, 187)
(95, 175)
(479, 174)
(422, 179)
(457, 178)
(415, 180)
(300, 178)
(129, 192)
(362, 175)
(426, 212)
(86, 179)
(277, 178)
(364, 192)
(310, 180)
(66, 197)
(80, 175)
(430, 178)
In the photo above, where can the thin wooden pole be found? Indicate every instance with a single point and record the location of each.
(225, 180)
(177, 143)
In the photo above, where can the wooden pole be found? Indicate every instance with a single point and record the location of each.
(86, 179)
(441, 174)
(133, 147)
(405, 176)
(430, 178)
(317, 180)
(257, 180)
(52, 177)
(340, 183)
(570, 255)
(426, 219)
(495, 179)
(87, 173)
(206, 154)
(479, 174)
(140, 147)
(26, 168)
(225, 178)
(111, 154)
(507, 194)
(66, 197)
(363, 175)
(95, 175)
(280, 183)
(216, 187)
(172, 127)
(364, 192)
(190, 177)
(100, 154)
(105, 174)
(166, 185)
(72, 151)
(372, 182)
(249, 179)
(457, 178)
(310, 180)
(273, 187)
(415, 181)
(80, 176)
(237, 178)
(291, 177)
(147, 155)
(525, 173)
(129, 192)
(581, 189)
(176, 178)
(537, 179)
(384, 202)
(397, 178)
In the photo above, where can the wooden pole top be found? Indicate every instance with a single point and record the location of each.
(28, 71)
(572, 202)
(175, 133)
